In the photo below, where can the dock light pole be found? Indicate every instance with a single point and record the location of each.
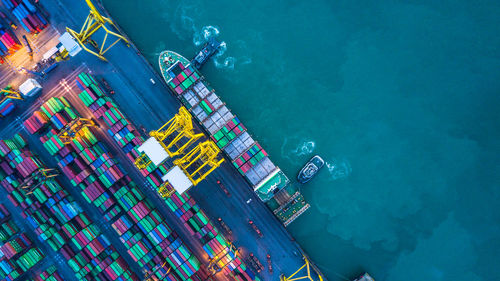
(92, 24)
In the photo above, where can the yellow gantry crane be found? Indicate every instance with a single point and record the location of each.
(74, 129)
(170, 135)
(303, 273)
(37, 178)
(197, 159)
(216, 264)
(93, 23)
(172, 140)
(177, 128)
(196, 165)
(9, 93)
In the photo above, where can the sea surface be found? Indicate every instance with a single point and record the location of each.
(402, 100)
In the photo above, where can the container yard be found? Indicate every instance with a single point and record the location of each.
(77, 178)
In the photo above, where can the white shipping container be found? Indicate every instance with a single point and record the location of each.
(211, 98)
(217, 103)
(267, 164)
(213, 129)
(252, 176)
(208, 123)
(30, 87)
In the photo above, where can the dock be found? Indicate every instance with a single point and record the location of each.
(147, 102)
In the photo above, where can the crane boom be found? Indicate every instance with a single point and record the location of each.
(94, 22)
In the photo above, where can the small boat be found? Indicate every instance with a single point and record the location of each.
(208, 50)
(310, 169)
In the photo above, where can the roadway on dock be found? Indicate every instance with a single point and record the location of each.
(151, 104)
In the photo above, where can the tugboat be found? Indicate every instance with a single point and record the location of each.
(310, 169)
(209, 49)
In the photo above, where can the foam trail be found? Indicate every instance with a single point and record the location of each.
(203, 35)
(226, 63)
(246, 60)
(210, 31)
(339, 169)
(307, 147)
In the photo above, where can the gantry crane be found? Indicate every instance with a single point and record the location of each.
(216, 264)
(303, 273)
(171, 135)
(37, 178)
(202, 155)
(166, 190)
(9, 93)
(74, 128)
(177, 128)
(196, 165)
(93, 23)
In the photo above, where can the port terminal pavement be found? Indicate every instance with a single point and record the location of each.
(146, 100)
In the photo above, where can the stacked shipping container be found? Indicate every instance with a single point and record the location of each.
(89, 166)
(50, 274)
(58, 219)
(8, 41)
(17, 252)
(27, 14)
(185, 208)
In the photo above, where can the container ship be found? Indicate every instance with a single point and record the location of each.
(268, 181)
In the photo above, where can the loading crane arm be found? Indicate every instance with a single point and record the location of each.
(177, 128)
(94, 22)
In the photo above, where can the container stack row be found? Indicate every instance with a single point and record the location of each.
(49, 274)
(88, 164)
(17, 252)
(57, 218)
(184, 79)
(27, 14)
(8, 41)
(6, 106)
(184, 207)
(214, 242)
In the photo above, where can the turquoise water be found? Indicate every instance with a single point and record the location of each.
(400, 97)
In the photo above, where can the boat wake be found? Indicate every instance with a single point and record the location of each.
(224, 62)
(306, 148)
(339, 169)
(292, 149)
(201, 36)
